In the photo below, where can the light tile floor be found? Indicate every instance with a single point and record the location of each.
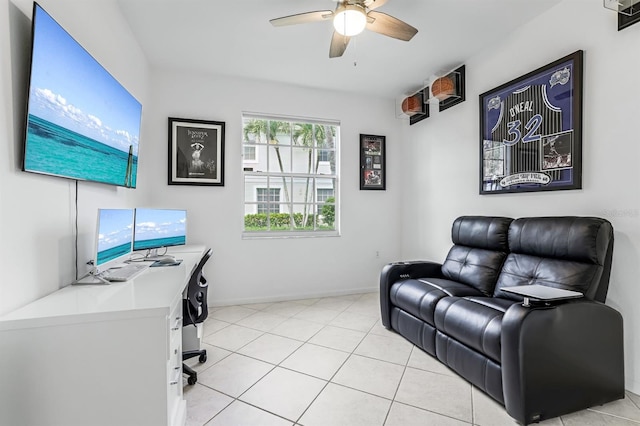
(329, 361)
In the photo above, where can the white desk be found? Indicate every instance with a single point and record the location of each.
(98, 354)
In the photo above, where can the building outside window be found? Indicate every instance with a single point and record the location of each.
(290, 177)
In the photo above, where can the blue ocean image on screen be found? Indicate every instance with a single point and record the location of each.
(52, 149)
(82, 123)
(115, 234)
(160, 242)
(113, 253)
(156, 228)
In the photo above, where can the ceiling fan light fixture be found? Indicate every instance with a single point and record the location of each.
(350, 20)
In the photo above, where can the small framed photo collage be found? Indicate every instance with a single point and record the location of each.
(372, 162)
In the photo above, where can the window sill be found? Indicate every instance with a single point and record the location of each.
(289, 234)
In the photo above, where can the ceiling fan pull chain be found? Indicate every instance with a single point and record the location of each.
(355, 53)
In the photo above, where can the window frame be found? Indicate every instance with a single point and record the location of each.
(292, 177)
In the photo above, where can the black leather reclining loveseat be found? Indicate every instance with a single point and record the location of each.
(539, 361)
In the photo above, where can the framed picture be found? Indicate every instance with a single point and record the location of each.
(416, 106)
(196, 152)
(531, 131)
(372, 162)
(628, 17)
(458, 77)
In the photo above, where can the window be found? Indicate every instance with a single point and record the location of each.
(250, 154)
(324, 155)
(322, 195)
(268, 200)
(290, 176)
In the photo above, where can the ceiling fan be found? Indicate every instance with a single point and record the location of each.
(350, 18)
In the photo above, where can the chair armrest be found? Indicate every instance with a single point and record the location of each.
(396, 271)
(561, 359)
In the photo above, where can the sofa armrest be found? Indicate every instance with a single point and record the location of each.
(561, 359)
(396, 271)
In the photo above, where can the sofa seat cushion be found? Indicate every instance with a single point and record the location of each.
(420, 296)
(474, 321)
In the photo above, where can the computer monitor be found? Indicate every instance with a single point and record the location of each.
(113, 243)
(114, 237)
(157, 229)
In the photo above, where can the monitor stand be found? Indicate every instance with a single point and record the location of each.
(91, 277)
(153, 255)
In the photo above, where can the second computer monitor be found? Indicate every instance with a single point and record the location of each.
(114, 236)
(159, 228)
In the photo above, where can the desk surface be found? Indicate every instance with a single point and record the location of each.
(154, 289)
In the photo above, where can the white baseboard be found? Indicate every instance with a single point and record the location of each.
(287, 297)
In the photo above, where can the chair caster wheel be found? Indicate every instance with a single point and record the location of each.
(202, 358)
(192, 380)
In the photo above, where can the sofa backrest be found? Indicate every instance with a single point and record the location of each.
(572, 253)
(480, 248)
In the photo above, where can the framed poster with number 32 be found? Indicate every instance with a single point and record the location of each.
(531, 130)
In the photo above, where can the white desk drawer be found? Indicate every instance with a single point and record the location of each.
(174, 378)
(174, 324)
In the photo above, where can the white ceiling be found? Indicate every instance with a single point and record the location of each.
(234, 37)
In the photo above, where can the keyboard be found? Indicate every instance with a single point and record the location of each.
(124, 273)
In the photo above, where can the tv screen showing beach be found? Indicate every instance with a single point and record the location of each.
(115, 234)
(81, 123)
(155, 228)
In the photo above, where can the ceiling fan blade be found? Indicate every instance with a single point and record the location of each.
(388, 25)
(302, 18)
(338, 45)
(374, 4)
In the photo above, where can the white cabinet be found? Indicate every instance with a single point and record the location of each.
(98, 355)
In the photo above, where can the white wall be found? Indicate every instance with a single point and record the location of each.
(244, 271)
(38, 212)
(442, 156)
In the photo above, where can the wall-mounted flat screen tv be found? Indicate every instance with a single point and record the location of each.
(81, 123)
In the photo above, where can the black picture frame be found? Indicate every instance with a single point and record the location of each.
(423, 98)
(373, 173)
(459, 77)
(531, 130)
(628, 17)
(196, 152)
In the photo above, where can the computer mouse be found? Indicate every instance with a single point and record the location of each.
(167, 260)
